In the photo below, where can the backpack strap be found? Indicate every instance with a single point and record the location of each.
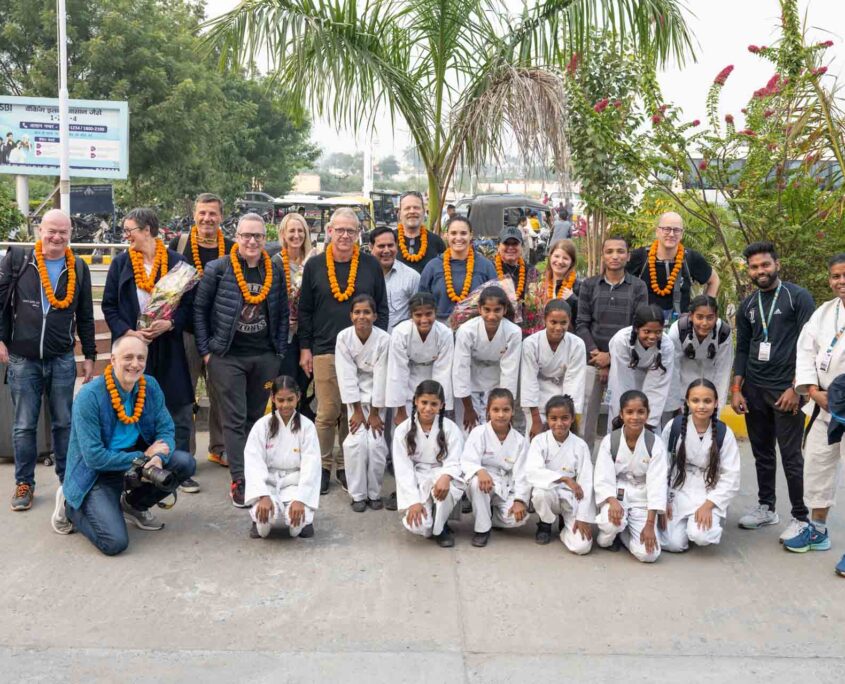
(183, 242)
(721, 432)
(649, 440)
(19, 256)
(724, 332)
(616, 440)
(684, 326)
(675, 435)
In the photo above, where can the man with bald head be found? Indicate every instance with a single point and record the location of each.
(669, 269)
(120, 423)
(45, 295)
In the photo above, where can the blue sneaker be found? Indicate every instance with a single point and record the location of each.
(809, 539)
(840, 567)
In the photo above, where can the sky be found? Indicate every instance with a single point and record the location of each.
(723, 30)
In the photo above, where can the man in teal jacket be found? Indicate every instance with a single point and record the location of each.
(117, 419)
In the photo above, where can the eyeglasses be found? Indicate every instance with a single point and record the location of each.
(345, 231)
(128, 231)
(671, 230)
(248, 237)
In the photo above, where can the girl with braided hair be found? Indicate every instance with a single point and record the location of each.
(642, 358)
(427, 463)
(703, 471)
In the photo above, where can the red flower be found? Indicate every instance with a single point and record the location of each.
(744, 110)
(825, 44)
(695, 122)
(656, 119)
(729, 118)
(600, 106)
(572, 67)
(768, 113)
(749, 132)
(617, 103)
(702, 165)
(753, 49)
(820, 71)
(722, 76)
(663, 108)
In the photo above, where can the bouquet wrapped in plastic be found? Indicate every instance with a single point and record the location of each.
(533, 304)
(167, 293)
(468, 308)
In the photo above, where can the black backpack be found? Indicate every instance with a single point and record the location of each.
(685, 332)
(675, 435)
(616, 439)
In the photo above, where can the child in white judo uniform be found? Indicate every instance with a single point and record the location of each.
(630, 481)
(703, 349)
(561, 474)
(493, 464)
(361, 363)
(642, 358)
(427, 464)
(282, 466)
(554, 363)
(703, 471)
(487, 353)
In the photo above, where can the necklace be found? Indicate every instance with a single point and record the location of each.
(286, 262)
(350, 281)
(566, 284)
(406, 255)
(45, 278)
(242, 284)
(652, 270)
(142, 280)
(500, 273)
(117, 404)
(447, 275)
(195, 250)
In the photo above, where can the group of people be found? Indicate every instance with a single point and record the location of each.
(487, 417)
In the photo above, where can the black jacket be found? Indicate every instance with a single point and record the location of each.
(24, 328)
(218, 305)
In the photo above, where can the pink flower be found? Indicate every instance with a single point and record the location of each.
(617, 103)
(768, 113)
(703, 164)
(748, 132)
(729, 118)
(722, 76)
(663, 108)
(820, 71)
(744, 110)
(656, 119)
(572, 67)
(825, 44)
(695, 123)
(600, 106)
(753, 49)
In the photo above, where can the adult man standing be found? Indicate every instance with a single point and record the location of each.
(767, 327)
(417, 246)
(400, 280)
(329, 282)
(669, 269)
(819, 361)
(45, 294)
(561, 228)
(205, 242)
(241, 321)
(606, 304)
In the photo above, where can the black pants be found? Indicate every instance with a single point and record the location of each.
(767, 426)
(242, 390)
(291, 367)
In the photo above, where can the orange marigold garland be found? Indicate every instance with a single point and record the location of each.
(350, 281)
(566, 284)
(242, 284)
(447, 276)
(406, 255)
(195, 250)
(142, 280)
(652, 270)
(45, 277)
(500, 274)
(286, 262)
(117, 404)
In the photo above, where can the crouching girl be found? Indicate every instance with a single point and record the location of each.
(493, 464)
(630, 481)
(427, 464)
(704, 471)
(561, 473)
(282, 466)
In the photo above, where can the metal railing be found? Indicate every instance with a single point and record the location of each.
(79, 247)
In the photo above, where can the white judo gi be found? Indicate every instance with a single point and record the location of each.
(653, 382)
(642, 481)
(505, 463)
(546, 373)
(822, 461)
(480, 364)
(682, 528)
(286, 468)
(717, 370)
(547, 462)
(361, 376)
(412, 360)
(417, 472)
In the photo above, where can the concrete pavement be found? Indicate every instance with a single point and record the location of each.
(364, 601)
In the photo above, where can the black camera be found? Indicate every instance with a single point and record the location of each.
(140, 473)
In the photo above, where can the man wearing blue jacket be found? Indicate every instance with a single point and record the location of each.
(118, 418)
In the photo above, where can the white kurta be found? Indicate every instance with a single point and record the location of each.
(548, 461)
(717, 370)
(654, 383)
(546, 373)
(362, 366)
(412, 360)
(481, 364)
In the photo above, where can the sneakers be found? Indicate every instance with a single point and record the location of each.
(359, 506)
(793, 529)
(341, 478)
(22, 498)
(324, 481)
(758, 516)
(446, 539)
(480, 539)
(391, 504)
(544, 533)
(59, 521)
(190, 486)
(143, 520)
(219, 459)
(236, 493)
(253, 532)
(840, 567)
(809, 539)
(375, 504)
(307, 531)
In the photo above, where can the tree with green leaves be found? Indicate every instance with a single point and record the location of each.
(466, 77)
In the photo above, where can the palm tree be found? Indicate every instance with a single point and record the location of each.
(466, 77)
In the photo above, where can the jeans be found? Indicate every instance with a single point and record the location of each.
(29, 380)
(100, 517)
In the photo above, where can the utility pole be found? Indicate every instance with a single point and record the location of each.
(64, 136)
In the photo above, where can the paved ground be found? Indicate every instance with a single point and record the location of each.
(363, 601)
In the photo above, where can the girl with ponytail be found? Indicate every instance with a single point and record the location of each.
(282, 465)
(642, 358)
(427, 464)
(703, 472)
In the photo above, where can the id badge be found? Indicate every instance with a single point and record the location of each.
(620, 494)
(765, 351)
(824, 364)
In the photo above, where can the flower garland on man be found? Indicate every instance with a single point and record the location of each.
(417, 245)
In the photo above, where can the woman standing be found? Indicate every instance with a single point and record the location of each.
(131, 278)
(560, 280)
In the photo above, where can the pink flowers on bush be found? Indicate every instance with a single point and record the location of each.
(572, 67)
(729, 118)
(722, 76)
(695, 123)
(825, 44)
(749, 132)
(702, 165)
(601, 105)
(773, 87)
(656, 119)
(820, 71)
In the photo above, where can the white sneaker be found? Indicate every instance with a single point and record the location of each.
(758, 516)
(793, 529)
(59, 521)
(143, 520)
